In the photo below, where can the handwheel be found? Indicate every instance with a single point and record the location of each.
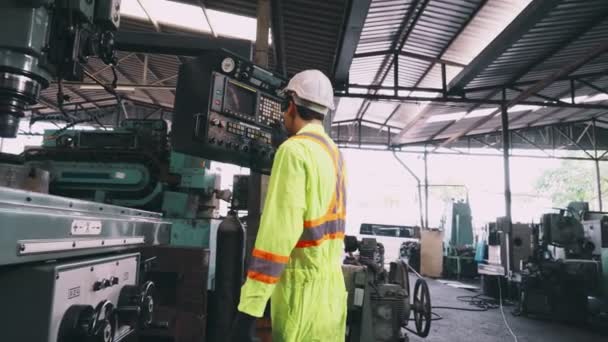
(103, 326)
(136, 305)
(422, 308)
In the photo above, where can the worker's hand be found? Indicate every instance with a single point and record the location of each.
(243, 328)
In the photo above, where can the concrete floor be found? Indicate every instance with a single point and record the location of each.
(462, 326)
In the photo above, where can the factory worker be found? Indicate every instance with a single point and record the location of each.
(296, 262)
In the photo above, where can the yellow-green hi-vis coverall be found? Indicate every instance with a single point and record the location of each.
(297, 256)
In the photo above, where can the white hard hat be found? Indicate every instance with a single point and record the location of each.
(313, 90)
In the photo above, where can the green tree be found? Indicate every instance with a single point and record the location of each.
(573, 181)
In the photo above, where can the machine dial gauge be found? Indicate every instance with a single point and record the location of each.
(228, 65)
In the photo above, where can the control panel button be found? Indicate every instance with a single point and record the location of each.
(98, 285)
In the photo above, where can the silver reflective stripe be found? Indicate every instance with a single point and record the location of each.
(318, 232)
(266, 267)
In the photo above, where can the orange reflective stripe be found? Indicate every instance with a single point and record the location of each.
(315, 243)
(262, 277)
(258, 253)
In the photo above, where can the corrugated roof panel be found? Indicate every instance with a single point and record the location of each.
(563, 27)
(347, 108)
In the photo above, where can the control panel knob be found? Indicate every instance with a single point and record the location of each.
(136, 305)
(244, 148)
(98, 285)
(220, 142)
(212, 140)
(215, 122)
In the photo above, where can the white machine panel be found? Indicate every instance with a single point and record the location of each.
(78, 283)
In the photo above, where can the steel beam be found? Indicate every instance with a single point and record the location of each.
(179, 45)
(278, 36)
(470, 101)
(568, 69)
(539, 95)
(578, 78)
(351, 34)
(424, 111)
(574, 142)
(410, 55)
(593, 86)
(407, 25)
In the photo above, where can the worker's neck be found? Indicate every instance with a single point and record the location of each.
(304, 123)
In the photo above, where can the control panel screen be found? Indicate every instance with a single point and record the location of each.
(239, 100)
(228, 110)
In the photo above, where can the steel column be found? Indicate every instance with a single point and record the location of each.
(426, 189)
(419, 186)
(598, 183)
(258, 182)
(507, 174)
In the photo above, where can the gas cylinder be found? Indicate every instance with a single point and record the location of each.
(229, 277)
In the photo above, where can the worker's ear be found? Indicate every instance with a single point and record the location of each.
(293, 110)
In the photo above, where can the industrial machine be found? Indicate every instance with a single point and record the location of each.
(380, 303)
(133, 167)
(66, 265)
(49, 40)
(84, 263)
(563, 278)
(229, 110)
(458, 246)
(499, 251)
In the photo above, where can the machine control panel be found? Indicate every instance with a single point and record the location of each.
(227, 110)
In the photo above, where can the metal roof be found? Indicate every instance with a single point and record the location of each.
(412, 63)
(559, 43)
(305, 24)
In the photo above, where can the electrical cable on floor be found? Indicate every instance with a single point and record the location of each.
(459, 309)
(503, 312)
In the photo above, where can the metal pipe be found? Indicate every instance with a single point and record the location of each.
(426, 188)
(418, 187)
(507, 174)
(598, 183)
